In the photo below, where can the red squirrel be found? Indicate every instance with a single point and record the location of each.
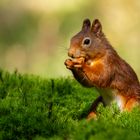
(95, 63)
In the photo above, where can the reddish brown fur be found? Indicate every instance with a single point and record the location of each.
(130, 104)
(102, 66)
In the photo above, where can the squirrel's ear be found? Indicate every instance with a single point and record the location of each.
(96, 27)
(86, 24)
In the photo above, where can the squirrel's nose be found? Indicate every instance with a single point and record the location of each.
(70, 54)
(73, 52)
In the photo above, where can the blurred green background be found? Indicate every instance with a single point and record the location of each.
(35, 34)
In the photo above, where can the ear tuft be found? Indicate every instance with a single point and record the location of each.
(96, 27)
(86, 24)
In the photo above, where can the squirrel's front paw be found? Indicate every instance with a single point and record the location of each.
(74, 63)
(69, 64)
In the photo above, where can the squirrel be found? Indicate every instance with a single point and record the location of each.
(95, 63)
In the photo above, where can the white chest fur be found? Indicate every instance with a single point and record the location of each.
(110, 96)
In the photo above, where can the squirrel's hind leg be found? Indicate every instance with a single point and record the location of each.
(130, 104)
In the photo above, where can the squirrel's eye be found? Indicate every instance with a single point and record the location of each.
(86, 42)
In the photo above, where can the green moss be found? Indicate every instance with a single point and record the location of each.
(39, 109)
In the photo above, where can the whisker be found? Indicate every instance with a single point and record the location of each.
(62, 52)
(62, 49)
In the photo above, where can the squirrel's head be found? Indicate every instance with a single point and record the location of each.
(88, 42)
